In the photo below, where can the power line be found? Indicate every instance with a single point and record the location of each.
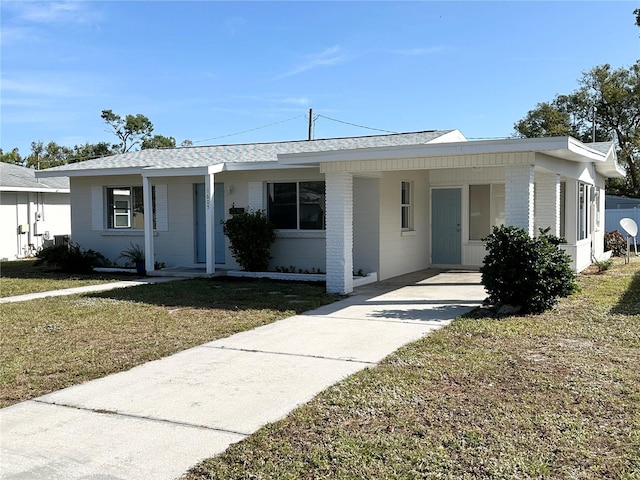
(355, 125)
(250, 130)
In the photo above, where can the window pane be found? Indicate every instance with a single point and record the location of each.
(479, 211)
(582, 212)
(125, 207)
(497, 207)
(282, 205)
(405, 209)
(406, 193)
(119, 204)
(311, 205)
(138, 208)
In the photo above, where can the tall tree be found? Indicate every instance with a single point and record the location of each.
(158, 141)
(47, 156)
(615, 95)
(131, 130)
(89, 151)
(11, 157)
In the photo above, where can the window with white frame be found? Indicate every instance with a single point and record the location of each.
(486, 209)
(583, 211)
(125, 207)
(296, 205)
(563, 208)
(406, 212)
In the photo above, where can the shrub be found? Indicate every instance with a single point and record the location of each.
(251, 235)
(70, 258)
(615, 242)
(528, 272)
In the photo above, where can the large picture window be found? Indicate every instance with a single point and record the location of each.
(297, 205)
(486, 209)
(126, 207)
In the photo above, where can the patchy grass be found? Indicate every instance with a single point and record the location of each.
(53, 343)
(550, 396)
(23, 276)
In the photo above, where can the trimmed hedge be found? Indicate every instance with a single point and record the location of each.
(531, 273)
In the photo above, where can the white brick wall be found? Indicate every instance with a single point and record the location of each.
(518, 197)
(547, 200)
(339, 250)
(256, 196)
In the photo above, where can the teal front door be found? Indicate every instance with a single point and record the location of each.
(201, 221)
(446, 234)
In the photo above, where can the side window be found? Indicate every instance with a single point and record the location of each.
(406, 211)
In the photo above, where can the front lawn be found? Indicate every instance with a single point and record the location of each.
(551, 396)
(53, 343)
(20, 277)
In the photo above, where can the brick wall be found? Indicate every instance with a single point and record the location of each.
(518, 197)
(339, 198)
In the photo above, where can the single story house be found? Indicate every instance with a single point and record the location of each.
(390, 204)
(32, 211)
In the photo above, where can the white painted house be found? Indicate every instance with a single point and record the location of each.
(390, 204)
(32, 211)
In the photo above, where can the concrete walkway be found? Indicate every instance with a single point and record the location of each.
(157, 420)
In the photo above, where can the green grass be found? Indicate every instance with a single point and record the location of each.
(53, 343)
(23, 276)
(553, 396)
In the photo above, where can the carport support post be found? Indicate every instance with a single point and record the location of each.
(147, 204)
(209, 187)
(518, 197)
(339, 228)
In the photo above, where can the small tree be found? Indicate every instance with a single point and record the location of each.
(251, 235)
(531, 273)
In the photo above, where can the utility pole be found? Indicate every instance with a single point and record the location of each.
(593, 134)
(310, 124)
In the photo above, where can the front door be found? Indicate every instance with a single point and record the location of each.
(446, 243)
(201, 222)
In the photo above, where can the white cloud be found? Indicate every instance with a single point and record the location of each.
(326, 58)
(69, 11)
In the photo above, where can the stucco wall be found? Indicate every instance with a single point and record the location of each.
(403, 252)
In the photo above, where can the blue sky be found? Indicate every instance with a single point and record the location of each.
(205, 70)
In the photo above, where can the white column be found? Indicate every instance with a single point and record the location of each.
(209, 187)
(518, 197)
(547, 210)
(339, 249)
(147, 200)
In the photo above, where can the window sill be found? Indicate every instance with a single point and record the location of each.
(126, 232)
(408, 233)
(301, 234)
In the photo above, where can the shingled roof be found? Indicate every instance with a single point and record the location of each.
(182, 157)
(17, 178)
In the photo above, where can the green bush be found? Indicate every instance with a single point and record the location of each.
(531, 273)
(251, 235)
(70, 258)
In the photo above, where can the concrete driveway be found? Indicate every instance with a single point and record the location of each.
(159, 419)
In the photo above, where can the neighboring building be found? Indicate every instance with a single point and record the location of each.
(390, 204)
(32, 211)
